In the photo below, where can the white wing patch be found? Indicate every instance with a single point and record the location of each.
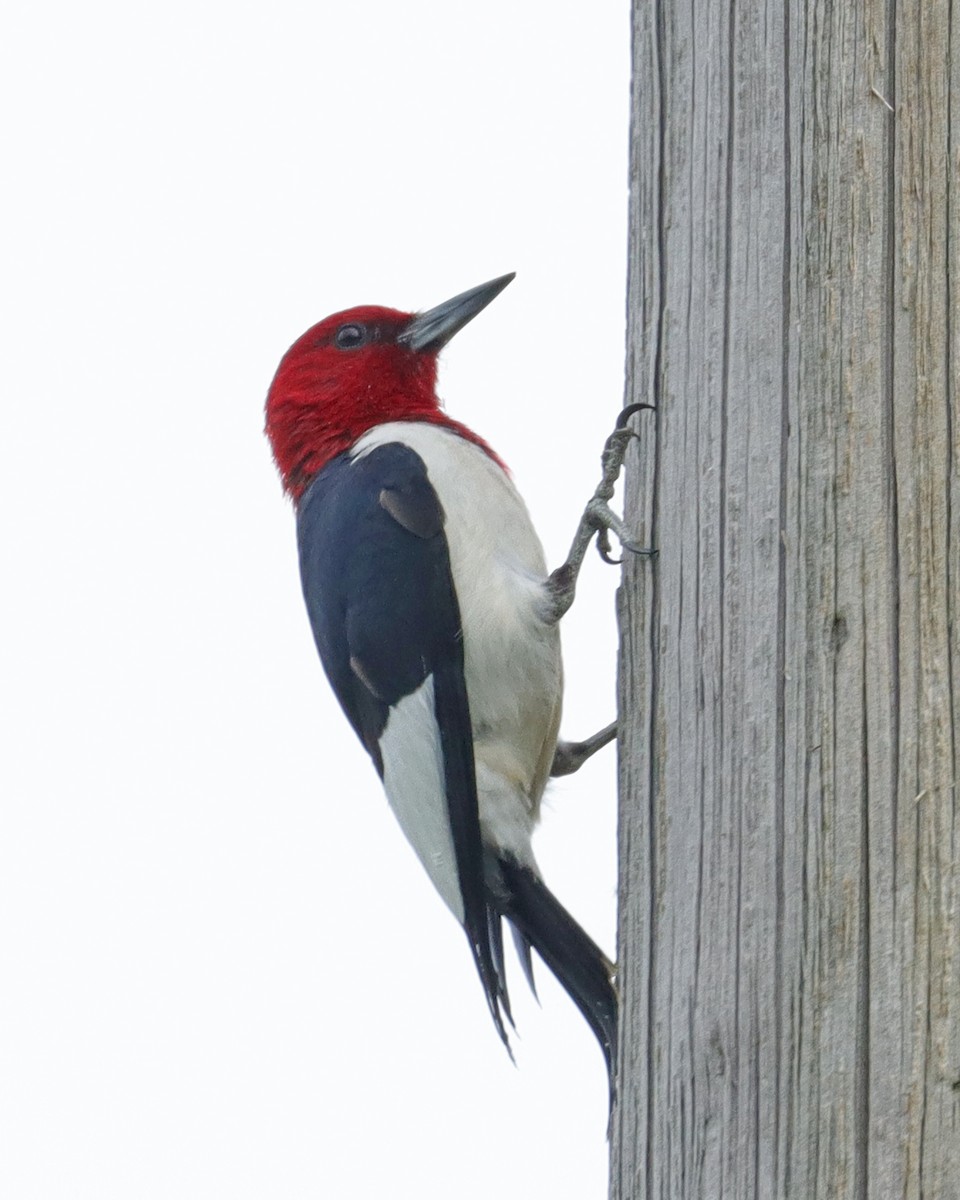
(413, 779)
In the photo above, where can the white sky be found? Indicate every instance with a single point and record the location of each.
(225, 973)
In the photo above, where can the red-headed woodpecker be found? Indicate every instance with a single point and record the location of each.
(436, 623)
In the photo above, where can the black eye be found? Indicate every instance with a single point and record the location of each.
(349, 337)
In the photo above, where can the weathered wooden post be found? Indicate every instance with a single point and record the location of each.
(790, 827)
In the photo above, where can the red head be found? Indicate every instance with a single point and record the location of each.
(360, 368)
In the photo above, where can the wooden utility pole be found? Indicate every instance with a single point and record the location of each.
(790, 689)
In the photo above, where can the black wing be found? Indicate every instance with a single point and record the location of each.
(382, 604)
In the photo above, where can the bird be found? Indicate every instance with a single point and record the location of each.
(436, 622)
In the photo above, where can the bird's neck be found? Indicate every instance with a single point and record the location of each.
(304, 440)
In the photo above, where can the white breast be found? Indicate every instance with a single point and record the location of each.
(511, 655)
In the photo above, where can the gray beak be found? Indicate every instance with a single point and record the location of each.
(433, 329)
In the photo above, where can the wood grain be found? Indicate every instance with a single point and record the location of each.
(790, 684)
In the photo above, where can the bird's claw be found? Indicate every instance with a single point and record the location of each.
(606, 522)
(599, 520)
(603, 548)
(630, 410)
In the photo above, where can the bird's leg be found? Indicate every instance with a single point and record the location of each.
(570, 756)
(598, 518)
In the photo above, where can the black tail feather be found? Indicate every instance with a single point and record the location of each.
(578, 963)
(494, 984)
(522, 946)
(495, 929)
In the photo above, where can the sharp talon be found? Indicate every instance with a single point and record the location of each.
(603, 549)
(630, 410)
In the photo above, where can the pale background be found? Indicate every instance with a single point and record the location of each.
(224, 974)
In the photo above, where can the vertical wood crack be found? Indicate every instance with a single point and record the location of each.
(863, 1031)
(781, 668)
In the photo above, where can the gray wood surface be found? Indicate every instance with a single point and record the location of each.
(790, 688)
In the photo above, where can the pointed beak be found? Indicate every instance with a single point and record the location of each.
(433, 329)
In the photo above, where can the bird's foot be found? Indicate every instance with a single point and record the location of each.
(598, 520)
(570, 756)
